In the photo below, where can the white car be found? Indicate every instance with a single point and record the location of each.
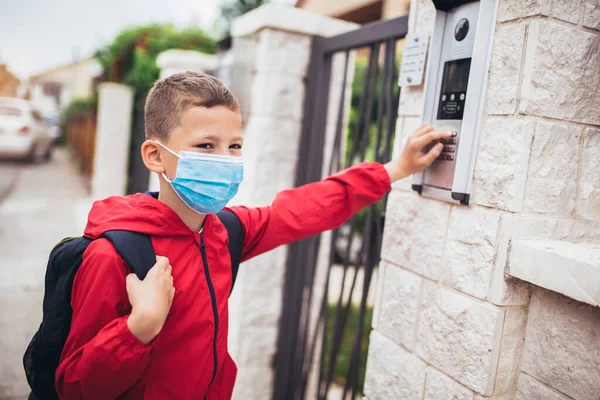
(23, 132)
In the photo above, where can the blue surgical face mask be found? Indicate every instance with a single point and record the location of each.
(206, 182)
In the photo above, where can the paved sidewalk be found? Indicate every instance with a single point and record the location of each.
(48, 202)
(8, 176)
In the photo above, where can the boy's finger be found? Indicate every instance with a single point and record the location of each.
(433, 154)
(131, 279)
(162, 263)
(433, 136)
(423, 129)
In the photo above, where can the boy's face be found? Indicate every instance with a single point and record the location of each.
(215, 130)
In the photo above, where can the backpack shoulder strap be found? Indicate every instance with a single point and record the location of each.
(135, 249)
(236, 234)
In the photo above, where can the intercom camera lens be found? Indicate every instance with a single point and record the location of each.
(461, 29)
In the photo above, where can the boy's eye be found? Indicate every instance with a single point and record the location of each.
(205, 146)
(236, 146)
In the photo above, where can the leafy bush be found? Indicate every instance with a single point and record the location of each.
(80, 106)
(131, 57)
(342, 364)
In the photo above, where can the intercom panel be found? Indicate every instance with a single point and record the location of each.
(454, 94)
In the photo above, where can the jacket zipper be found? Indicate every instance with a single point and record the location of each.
(213, 299)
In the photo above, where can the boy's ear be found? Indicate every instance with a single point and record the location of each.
(151, 157)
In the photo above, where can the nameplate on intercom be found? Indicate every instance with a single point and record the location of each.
(413, 59)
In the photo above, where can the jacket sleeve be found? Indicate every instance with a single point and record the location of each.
(101, 358)
(310, 209)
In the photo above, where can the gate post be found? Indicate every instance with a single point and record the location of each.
(271, 50)
(113, 136)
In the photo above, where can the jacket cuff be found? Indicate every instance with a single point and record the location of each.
(379, 175)
(129, 341)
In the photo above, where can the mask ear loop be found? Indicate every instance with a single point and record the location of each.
(172, 152)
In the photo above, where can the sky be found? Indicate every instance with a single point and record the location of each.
(37, 35)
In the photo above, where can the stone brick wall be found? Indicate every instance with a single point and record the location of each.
(450, 321)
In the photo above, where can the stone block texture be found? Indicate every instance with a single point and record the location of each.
(392, 372)
(415, 233)
(532, 389)
(560, 77)
(470, 249)
(588, 200)
(514, 9)
(591, 14)
(562, 345)
(280, 52)
(554, 161)
(399, 303)
(280, 96)
(441, 387)
(501, 164)
(505, 69)
(567, 10)
(457, 335)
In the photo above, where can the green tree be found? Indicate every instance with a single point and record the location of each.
(131, 57)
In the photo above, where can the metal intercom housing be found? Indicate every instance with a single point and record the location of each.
(455, 87)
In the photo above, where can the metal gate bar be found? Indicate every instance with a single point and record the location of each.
(297, 346)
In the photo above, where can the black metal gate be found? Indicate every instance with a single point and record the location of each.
(342, 328)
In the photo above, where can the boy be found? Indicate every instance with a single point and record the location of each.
(166, 337)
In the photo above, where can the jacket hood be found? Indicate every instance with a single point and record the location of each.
(141, 213)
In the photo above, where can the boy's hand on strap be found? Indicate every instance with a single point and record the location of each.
(415, 156)
(150, 300)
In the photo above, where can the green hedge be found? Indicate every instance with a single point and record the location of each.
(131, 57)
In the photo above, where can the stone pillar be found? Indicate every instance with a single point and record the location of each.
(113, 136)
(177, 61)
(271, 50)
(451, 321)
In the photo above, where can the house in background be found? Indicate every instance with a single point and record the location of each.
(56, 87)
(359, 11)
(9, 83)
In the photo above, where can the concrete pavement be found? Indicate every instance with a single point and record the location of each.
(8, 176)
(48, 202)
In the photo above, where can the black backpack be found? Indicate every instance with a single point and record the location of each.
(43, 353)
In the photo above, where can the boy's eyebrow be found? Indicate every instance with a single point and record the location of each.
(216, 138)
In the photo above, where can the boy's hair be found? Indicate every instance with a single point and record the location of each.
(171, 96)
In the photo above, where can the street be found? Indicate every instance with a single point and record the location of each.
(47, 202)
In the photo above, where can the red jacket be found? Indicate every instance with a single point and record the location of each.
(103, 360)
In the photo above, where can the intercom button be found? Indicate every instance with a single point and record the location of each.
(448, 149)
(449, 158)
